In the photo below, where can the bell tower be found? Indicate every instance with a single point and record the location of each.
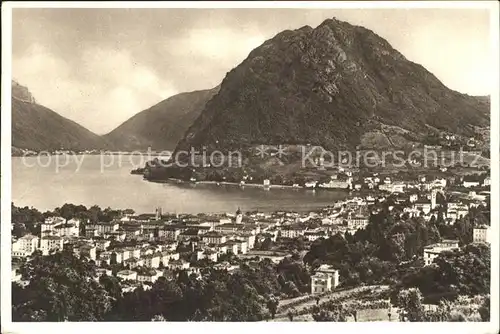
(239, 216)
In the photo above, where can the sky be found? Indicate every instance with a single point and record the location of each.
(99, 67)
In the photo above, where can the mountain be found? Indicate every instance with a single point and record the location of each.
(338, 86)
(163, 125)
(35, 127)
(22, 93)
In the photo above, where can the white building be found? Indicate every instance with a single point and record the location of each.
(103, 227)
(66, 230)
(357, 223)
(396, 187)
(127, 275)
(470, 184)
(152, 260)
(210, 255)
(178, 264)
(214, 238)
(148, 275)
(51, 243)
(482, 234)
(325, 279)
(291, 231)
(25, 246)
(413, 198)
(487, 182)
(425, 207)
(433, 251)
(314, 235)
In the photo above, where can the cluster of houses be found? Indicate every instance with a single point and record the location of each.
(157, 238)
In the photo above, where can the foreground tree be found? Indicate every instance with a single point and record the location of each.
(61, 288)
(410, 304)
(272, 306)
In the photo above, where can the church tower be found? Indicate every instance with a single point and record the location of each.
(158, 213)
(239, 216)
(433, 198)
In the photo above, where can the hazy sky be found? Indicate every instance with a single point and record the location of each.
(101, 66)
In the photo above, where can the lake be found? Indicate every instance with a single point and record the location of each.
(48, 182)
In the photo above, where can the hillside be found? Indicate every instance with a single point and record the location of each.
(338, 86)
(35, 127)
(163, 125)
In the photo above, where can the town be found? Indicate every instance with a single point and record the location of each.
(140, 249)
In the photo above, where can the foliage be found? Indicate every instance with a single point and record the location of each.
(61, 288)
(463, 272)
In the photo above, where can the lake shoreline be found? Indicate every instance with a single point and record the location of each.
(250, 185)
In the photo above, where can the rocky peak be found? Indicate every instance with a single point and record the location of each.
(326, 86)
(21, 93)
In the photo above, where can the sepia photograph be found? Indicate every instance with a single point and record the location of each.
(270, 162)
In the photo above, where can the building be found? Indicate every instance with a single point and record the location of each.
(422, 206)
(242, 246)
(133, 262)
(333, 184)
(152, 261)
(178, 265)
(239, 216)
(213, 237)
(90, 233)
(189, 234)
(169, 232)
(314, 235)
(88, 251)
(227, 228)
(231, 247)
(127, 275)
(481, 234)
(325, 279)
(470, 184)
(433, 251)
(291, 231)
(131, 232)
(210, 255)
(102, 244)
(487, 182)
(249, 238)
(25, 246)
(148, 275)
(116, 235)
(357, 223)
(51, 243)
(66, 230)
(103, 227)
(397, 187)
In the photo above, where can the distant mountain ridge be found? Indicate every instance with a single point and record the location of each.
(162, 125)
(338, 86)
(35, 127)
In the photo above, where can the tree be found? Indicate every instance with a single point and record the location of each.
(266, 244)
(484, 310)
(410, 303)
(272, 306)
(61, 288)
(19, 230)
(332, 312)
